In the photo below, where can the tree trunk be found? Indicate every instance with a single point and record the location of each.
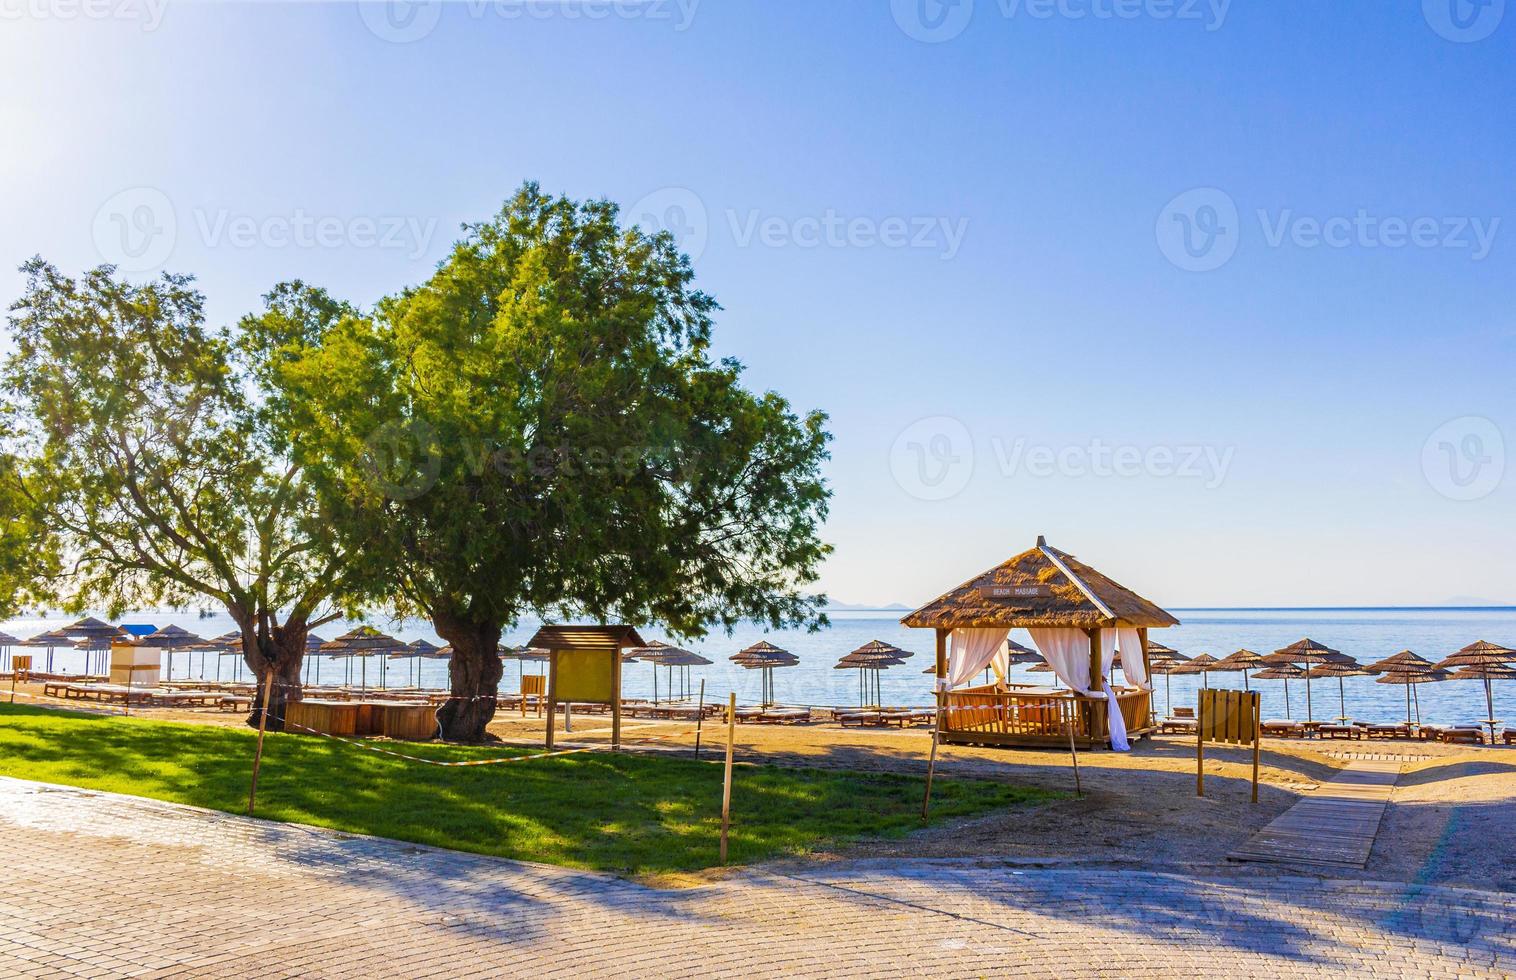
(474, 673)
(283, 652)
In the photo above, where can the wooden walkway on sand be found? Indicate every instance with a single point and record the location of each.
(1334, 827)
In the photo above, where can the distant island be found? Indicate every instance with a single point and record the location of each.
(866, 607)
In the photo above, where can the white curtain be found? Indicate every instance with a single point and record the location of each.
(1131, 659)
(972, 650)
(1067, 651)
(1001, 663)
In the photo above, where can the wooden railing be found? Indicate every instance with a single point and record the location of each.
(1011, 714)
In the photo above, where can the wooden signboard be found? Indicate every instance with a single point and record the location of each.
(584, 665)
(989, 590)
(21, 663)
(1228, 718)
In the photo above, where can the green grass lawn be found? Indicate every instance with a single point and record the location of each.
(624, 813)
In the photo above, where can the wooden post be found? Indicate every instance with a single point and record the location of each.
(1200, 746)
(616, 701)
(1257, 739)
(931, 763)
(268, 690)
(131, 672)
(1096, 673)
(699, 717)
(942, 637)
(15, 673)
(726, 787)
(1071, 707)
(552, 694)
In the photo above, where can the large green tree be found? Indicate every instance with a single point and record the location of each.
(27, 554)
(540, 429)
(159, 474)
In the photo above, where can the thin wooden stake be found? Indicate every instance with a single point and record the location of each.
(268, 690)
(699, 717)
(1257, 740)
(931, 762)
(726, 788)
(1200, 748)
(1072, 706)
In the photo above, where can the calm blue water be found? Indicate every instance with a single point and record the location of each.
(1365, 634)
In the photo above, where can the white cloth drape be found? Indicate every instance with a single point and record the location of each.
(1067, 651)
(971, 651)
(1131, 659)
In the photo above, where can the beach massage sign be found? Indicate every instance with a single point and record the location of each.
(1004, 593)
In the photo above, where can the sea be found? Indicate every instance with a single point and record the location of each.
(1366, 634)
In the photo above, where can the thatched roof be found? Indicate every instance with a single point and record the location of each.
(1405, 659)
(6, 640)
(1202, 663)
(1412, 675)
(88, 627)
(877, 662)
(1482, 653)
(1041, 587)
(1484, 672)
(423, 649)
(764, 654)
(879, 648)
(1337, 668)
(1280, 672)
(171, 638)
(362, 642)
(1240, 660)
(1306, 651)
(1156, 649)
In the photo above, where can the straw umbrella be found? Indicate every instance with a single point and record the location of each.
(1282, 672)
(313, 653)
(764, 656)
(1243, 660)
(51, 640)
(1304, 653)
(415, 651)
(653, 654)
(6, 642)
(1339, 670)
(1480, 661)
(363, 642)
(675, 657)
(876, 656)
(171, 638)
(1201, 664)
(1410, 675)
(1165, 660)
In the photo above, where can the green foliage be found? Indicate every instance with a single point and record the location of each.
(147, 456)
(28, 557)
(623, 813)
(541, 428)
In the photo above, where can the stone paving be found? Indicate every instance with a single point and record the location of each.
(96, 885)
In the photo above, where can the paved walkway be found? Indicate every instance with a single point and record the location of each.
(1333, 827)
(97, 885)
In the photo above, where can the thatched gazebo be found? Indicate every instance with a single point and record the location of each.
(1078, 619)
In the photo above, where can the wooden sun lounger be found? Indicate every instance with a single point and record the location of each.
(1462, 734)
(1387, 731)
(1339, 731)
(1509, 736)
(1284, 728)
(845, 718)
(1175, 725)
(785, 716)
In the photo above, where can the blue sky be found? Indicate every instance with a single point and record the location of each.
(970, 250)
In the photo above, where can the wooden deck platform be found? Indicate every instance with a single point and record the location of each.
(1334, 827)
